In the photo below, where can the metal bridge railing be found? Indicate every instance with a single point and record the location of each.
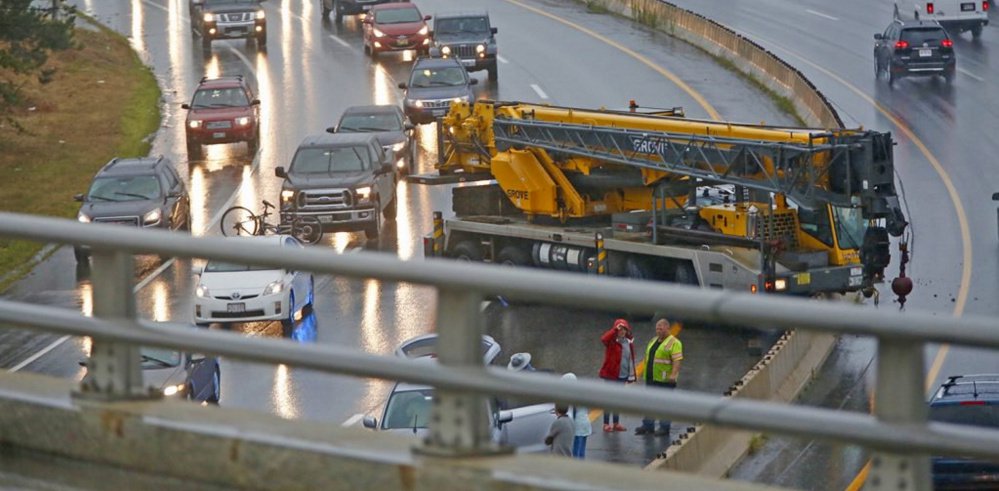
(898, 432)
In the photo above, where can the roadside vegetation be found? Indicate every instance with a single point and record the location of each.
(88, 101)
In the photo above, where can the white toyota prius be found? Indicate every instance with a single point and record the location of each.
(228, 292)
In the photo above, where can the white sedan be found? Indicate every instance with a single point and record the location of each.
(228, 292)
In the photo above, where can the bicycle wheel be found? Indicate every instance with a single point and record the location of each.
(307, 229)
(239, 221)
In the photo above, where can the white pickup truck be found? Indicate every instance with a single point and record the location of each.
(408, 407)
(956, 16)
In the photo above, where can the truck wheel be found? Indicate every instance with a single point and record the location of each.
(976, 32)
(493, 73)
(193, 151)
(512, 255)
(467, 250)
(262, 43)
(411, 159)
(373, 231)
(206, 42)
(390, 210)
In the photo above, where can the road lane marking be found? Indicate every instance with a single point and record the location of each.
(31, 359)
(540, 92)
(156, 5)
(343, 43)
(698, 98)
(501, 59)
(353, 420)
(972, 75)
(820, 14)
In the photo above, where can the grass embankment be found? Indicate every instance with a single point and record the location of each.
(102, 103)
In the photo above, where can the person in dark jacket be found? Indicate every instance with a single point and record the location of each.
(619, 364)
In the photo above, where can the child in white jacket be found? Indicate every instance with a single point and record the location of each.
(581, 423)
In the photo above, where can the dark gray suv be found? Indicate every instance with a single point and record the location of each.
(136, 192)
(433, 85)
(468, 38)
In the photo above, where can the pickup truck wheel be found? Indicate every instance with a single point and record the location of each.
(390, 210)
(467, 250)
(193, 151)
(976, 32)
(374, 230)
(262, 43)
(411, 159)
(493, 73)
(206, 42)
(254, 143)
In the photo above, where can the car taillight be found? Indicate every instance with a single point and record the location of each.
(985, 6)
(947, 43)
(929, 7)
(901, 45)
(972, 403)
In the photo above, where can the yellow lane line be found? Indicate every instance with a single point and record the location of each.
(701, 101)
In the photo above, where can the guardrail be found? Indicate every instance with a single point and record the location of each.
(899, 431)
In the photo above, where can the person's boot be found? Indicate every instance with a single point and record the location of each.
(608, 428)
(662, 432)
(644, 430)
(619, 427)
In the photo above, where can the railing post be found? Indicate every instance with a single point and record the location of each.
(114, 369)
(900, 399)
(460, 423)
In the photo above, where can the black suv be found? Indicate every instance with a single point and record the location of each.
(966, 400)
(345, 180)
(435, 83)
(468, 38)
(137, 192)
(913, 48)
(228, 19)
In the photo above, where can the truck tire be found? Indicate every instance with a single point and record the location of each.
(391, 210)
(206, 42)
(493, 73)
(976, 32)
(512, 255)
(373, 231)
(193, 151)
(467, 250)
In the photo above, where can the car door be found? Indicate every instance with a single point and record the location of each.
(384, 181)
(527, 426)
(172, 203)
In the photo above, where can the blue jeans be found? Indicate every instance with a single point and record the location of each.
(579, 447)
(616, 416)
(649, 422)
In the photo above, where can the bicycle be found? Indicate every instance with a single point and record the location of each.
(241, 221)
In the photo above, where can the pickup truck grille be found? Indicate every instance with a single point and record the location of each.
(325, 200)
(130, 221)
(236, 17)
(437, 104)
(463, 50)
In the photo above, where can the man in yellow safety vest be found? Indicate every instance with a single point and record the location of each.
(663, 357)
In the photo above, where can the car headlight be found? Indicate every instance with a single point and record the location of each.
(201, 291)
(418, 103)
(274, 288)
(152, 218)
(173, 389)
(463, 98)
(194, 123)
(480, 48)
(287, 194)
(446, 50)
(780, 284)
(260, 14)
(243, 121)
(363, 193)
(398, 146)
(377, 33)
(208, 17)
(83, 218)
(424, 31)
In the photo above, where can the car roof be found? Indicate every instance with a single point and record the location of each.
(962, 388)
(435, 62)
(221, 82)
(459, 14)
(918, 23)
(132, 166)
(395, 5)
(337, 139)
(373, 108)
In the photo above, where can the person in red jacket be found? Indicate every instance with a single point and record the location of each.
(619, 363)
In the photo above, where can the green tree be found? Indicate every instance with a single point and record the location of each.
(28, 34)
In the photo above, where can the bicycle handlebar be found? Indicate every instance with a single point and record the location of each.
(267, 204)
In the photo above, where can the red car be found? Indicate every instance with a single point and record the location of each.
(396, 27)
(223, 110)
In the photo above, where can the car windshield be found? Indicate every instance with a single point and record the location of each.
(916, 37)
(452, 76)
(397, 16)
(159, 358)
(231, 97)
(850, 227)
(409, 409)
(475, 25)
(358, 123)
(125, 188)
(330, 160)
(224, 267)
(978, 415)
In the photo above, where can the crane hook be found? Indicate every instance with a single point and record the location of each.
(902, 285)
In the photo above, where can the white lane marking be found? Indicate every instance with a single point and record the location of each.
(352, 420)
(540, 92)
(501, 59)
(245, 60)
(820, 14)
(31, 359)
(972, 75)
(155, 5)
(152, 276)
(343, 43)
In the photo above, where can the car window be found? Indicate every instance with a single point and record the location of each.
(125, 188)
(171, 179)
(231, 97)
(451, 76)
(397, 16)
(930, 36)
(330, 160)
(159, 357)
(472, 25)
(224, 267)
(978, 415)
(354, 123)
(409, 409)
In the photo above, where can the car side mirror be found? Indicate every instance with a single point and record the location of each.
(197, 270)
(473, 81)
(878, 37)
(402, 85)
(280, 172)
(370, 422)
(995, 196)
(79, 197)
(493, 30)
(428, 17)
(331, 129)
(255, 102)
(185, 106)
(504, 417)
(175, 195)
(409, 126)
(195, 358)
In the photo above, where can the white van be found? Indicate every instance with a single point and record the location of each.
(956, 16)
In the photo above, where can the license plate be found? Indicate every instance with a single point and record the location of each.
(325, 218)
(236, 308)
(968, 7)
(218, 134)
(402, 42)
(468, 62)
(236, 32)
(925, 52)
(438, 112)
